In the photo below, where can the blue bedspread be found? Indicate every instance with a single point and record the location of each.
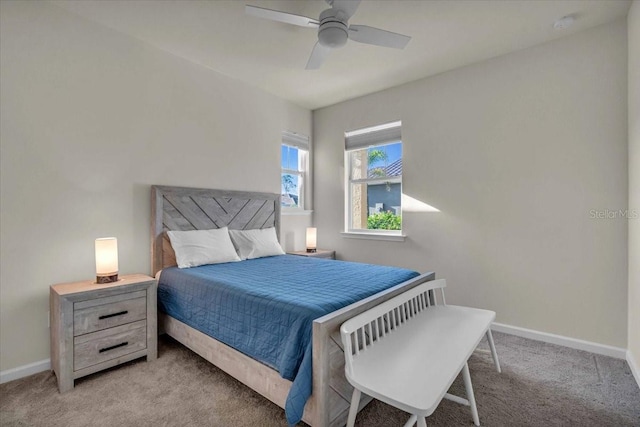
(265, 307)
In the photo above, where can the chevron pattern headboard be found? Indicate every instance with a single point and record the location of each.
(182, 208)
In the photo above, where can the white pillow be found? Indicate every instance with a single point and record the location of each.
(256, 243)
(200, 247)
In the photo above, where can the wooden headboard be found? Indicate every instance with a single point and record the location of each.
(182, 208)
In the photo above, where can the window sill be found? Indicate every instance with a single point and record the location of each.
(374, 236)
(284, 211)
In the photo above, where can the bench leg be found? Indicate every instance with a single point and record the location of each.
(353, 410)
(472, 400)
(422, 422)
(494, 354)
(411, 421)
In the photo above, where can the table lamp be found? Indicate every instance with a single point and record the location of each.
(106, 260)
(311, 239)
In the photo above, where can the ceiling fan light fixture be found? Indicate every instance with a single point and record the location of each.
(333, 34)
(333, 29)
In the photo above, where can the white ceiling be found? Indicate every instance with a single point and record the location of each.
(446, 34)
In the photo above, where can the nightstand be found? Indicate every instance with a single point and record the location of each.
(97, 326)
(320, 253)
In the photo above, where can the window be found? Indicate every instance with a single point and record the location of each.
(373, 157)
(294, 163)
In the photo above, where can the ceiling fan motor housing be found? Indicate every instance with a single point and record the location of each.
(333, 31)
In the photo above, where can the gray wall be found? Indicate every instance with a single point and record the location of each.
(516, 152)
(91, 118)
(634, 184)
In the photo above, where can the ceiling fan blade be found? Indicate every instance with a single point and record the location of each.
(276, 15)
(349, 7)
(318, 55)
(378, 37)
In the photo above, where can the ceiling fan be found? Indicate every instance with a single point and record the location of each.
(333, 29)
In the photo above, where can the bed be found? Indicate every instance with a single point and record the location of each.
(178, 208)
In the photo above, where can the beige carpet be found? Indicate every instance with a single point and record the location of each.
(541, 385)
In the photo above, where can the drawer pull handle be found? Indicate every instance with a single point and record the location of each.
(122, 344)
(106, 316)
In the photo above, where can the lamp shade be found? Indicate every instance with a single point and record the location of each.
(106, 260)
(311, 239)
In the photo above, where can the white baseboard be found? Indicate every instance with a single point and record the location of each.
(635, 370)
(591, 347)
(24, 371)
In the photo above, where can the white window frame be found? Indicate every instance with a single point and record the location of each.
(361, 139)
(301, 142)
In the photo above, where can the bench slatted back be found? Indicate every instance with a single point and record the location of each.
(367, 329)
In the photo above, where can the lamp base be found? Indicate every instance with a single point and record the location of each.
(311, 251)
(107, 279)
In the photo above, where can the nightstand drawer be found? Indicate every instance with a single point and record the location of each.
(102, 313)
(101, 346)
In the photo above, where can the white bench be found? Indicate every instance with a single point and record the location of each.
(408, 351)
